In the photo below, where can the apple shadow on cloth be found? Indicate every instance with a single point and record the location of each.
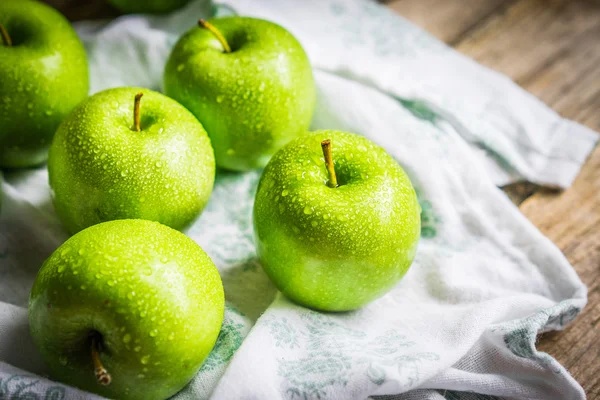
(26, 244)
(248, 288)
(16, 346)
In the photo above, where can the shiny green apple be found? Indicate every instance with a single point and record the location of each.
(148, 6)
(138, 300)
(330, 245)
(102, 168)
(43, 76)
(250, 84)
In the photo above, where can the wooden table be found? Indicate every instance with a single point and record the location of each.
(552, 49)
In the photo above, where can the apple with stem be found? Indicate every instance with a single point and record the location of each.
(248, 81)
(43, 76)
(127, 309)
(336, 221)
(103, 167)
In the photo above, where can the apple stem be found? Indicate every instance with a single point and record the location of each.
(5, 36)
(102, 375)
(136, 112)
(207, 25)
(326, 146)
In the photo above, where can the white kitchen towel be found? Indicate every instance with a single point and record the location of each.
(462, 324)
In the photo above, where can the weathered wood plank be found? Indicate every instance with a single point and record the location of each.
(571, 84)
(448, 20)
(530, 35)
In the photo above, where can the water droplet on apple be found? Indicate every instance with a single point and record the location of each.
(137, 349)
(61, 268)
(172, 336)
(98, 276)
(219, 99)
(48, 112)
(180, 67)
(285, 193)
(111, 282)
(63, 360)
(262, 87)
(127, 338)
(314, 223)
(308, 210)
(30, 106)
(230, 152)
(153, 333)
(145, 359)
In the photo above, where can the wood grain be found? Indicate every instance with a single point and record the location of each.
(447, 20)
(552, 49)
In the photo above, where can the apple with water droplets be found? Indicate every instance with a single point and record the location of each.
(43, 76)
(336, 221)
(130, 153)
(127, 309)
(148, 6)
(248, 81)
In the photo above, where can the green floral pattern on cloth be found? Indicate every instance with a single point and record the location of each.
(22, 387)
(336, 353)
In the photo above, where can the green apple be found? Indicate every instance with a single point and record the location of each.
(250, 84)
(148, 6)
(43, 76)
(335, 233)
(126, 309)
(103, 165)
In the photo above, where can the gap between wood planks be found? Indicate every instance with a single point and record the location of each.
(552, 49)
